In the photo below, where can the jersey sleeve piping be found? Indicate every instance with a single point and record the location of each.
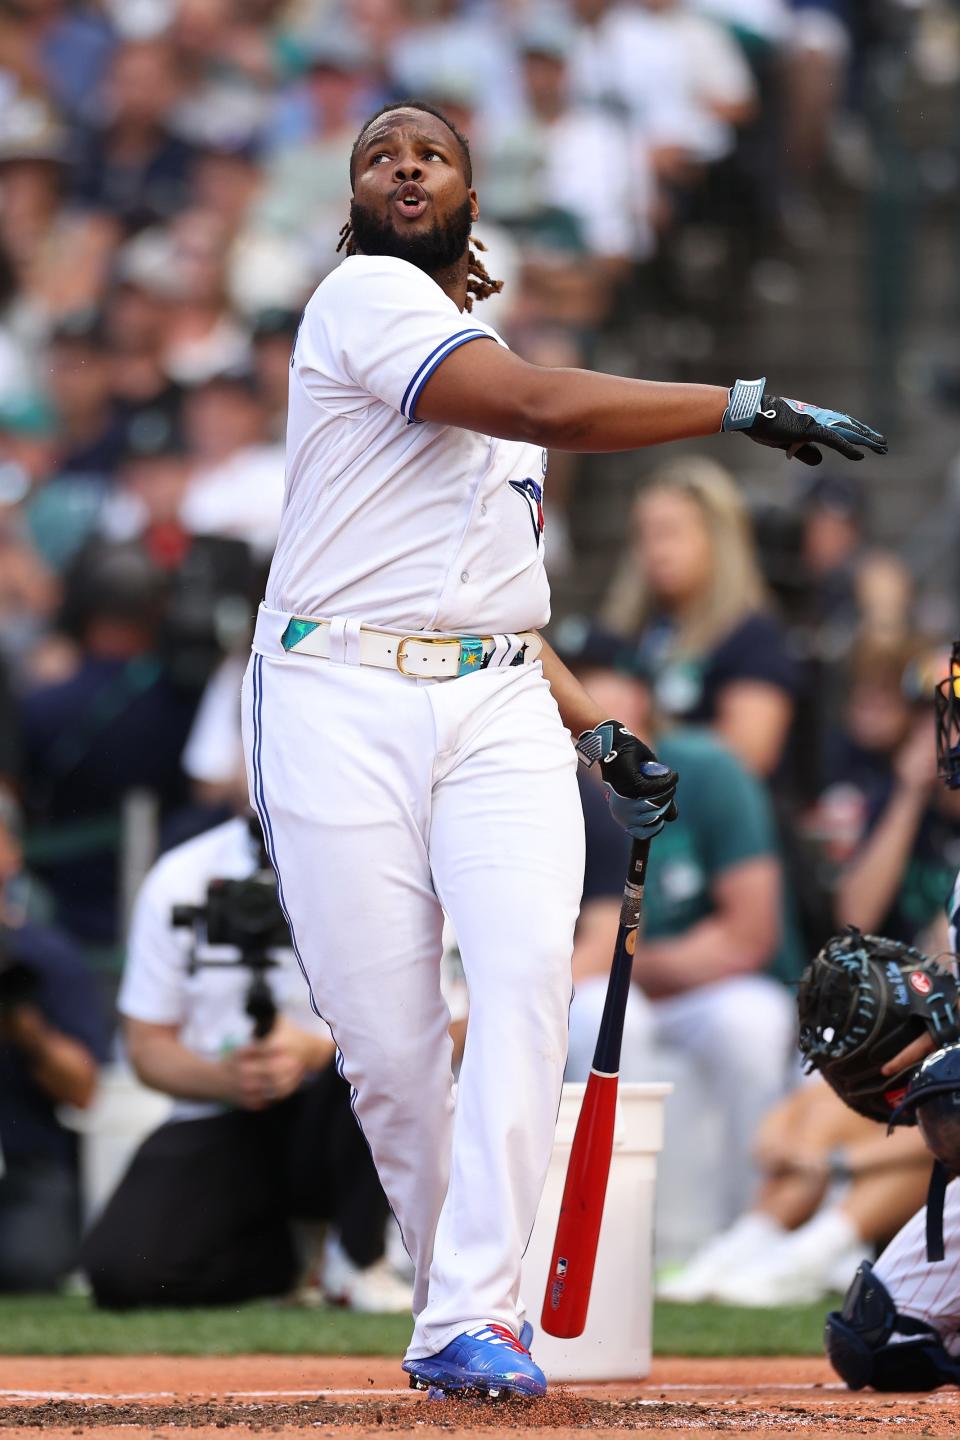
(412, 393)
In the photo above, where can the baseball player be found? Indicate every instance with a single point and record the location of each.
(899, 1327)
(406, 727)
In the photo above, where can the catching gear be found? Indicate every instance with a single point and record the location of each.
(932, 1102)
(861, 1000)
(861, 1348)
(797, 427)
(488, 1358)
(640, 790)
(947, 697)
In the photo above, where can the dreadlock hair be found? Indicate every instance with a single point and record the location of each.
(479, 283)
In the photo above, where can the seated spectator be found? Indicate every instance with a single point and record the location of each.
(803, 1237)
(306, 193)
(114, 724)
(555, 159)
(90, 428)
(59, 256)
(679, 77)
(718, 939)
(53, 1034)
(235, 480)
(130, 164)
(858, 757)
(262, 1133)
(691, 592)
(903, 870)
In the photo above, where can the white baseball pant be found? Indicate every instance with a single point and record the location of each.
(382, 799)
(927, 1291)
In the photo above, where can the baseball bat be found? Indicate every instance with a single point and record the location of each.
(570, 1277)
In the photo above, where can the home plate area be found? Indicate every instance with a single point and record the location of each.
(359, 1397)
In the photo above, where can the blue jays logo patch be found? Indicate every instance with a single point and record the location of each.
(533, 494)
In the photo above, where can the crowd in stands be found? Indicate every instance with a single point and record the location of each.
(173, 183)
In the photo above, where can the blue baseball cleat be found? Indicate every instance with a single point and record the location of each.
(488, 1358)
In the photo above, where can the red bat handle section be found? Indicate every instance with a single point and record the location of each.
(570, 1278)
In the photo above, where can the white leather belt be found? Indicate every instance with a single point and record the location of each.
(418, 656)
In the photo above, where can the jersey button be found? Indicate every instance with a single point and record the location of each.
(464, 576)
(483, 509)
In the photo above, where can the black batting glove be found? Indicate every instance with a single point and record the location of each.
(639, 789)
(796, 427)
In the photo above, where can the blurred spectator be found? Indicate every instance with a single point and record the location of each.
(90, 430)
(691, 592)
(855, 590)
(135, 317)
(718, 937)
(58, 256)
(444, 41)
(678, 76)
(130, 165)
(50, 47)
(307, 184)
(203, 334)
(113, 725)
(53, 1033)
(901, 874)
(262, 1133)
(565, 175)
(235, 486)
(273, 335)
(835, 1187)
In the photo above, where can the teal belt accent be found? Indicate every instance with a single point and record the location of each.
(296, 631)
(471, 654)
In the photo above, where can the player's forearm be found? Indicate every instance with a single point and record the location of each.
(577, 710)
(581, 410)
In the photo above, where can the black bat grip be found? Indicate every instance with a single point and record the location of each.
(606, 1056)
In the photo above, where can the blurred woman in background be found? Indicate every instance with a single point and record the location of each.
(691, 591)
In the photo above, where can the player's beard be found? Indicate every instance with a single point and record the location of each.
(431, 250)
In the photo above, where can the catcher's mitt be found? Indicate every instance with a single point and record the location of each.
(861, 1000)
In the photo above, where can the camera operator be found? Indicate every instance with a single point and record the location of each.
(53, 1032)
(262, 1133)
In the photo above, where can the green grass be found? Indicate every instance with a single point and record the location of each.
(60, 1325)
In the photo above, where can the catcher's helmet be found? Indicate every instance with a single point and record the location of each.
(933, 1099)
(947, 698)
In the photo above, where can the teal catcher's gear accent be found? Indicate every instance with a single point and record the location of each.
(296, 631)
(471, 654)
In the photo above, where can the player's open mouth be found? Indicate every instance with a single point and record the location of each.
(410, 201)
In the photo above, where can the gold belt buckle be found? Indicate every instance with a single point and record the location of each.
(426, 640)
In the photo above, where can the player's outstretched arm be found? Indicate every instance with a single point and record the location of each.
(489, 389)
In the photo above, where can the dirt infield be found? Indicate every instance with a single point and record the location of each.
(346, 1398)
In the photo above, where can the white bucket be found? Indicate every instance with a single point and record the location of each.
(616, 1343)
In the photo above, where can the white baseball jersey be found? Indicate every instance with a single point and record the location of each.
(404, 525)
